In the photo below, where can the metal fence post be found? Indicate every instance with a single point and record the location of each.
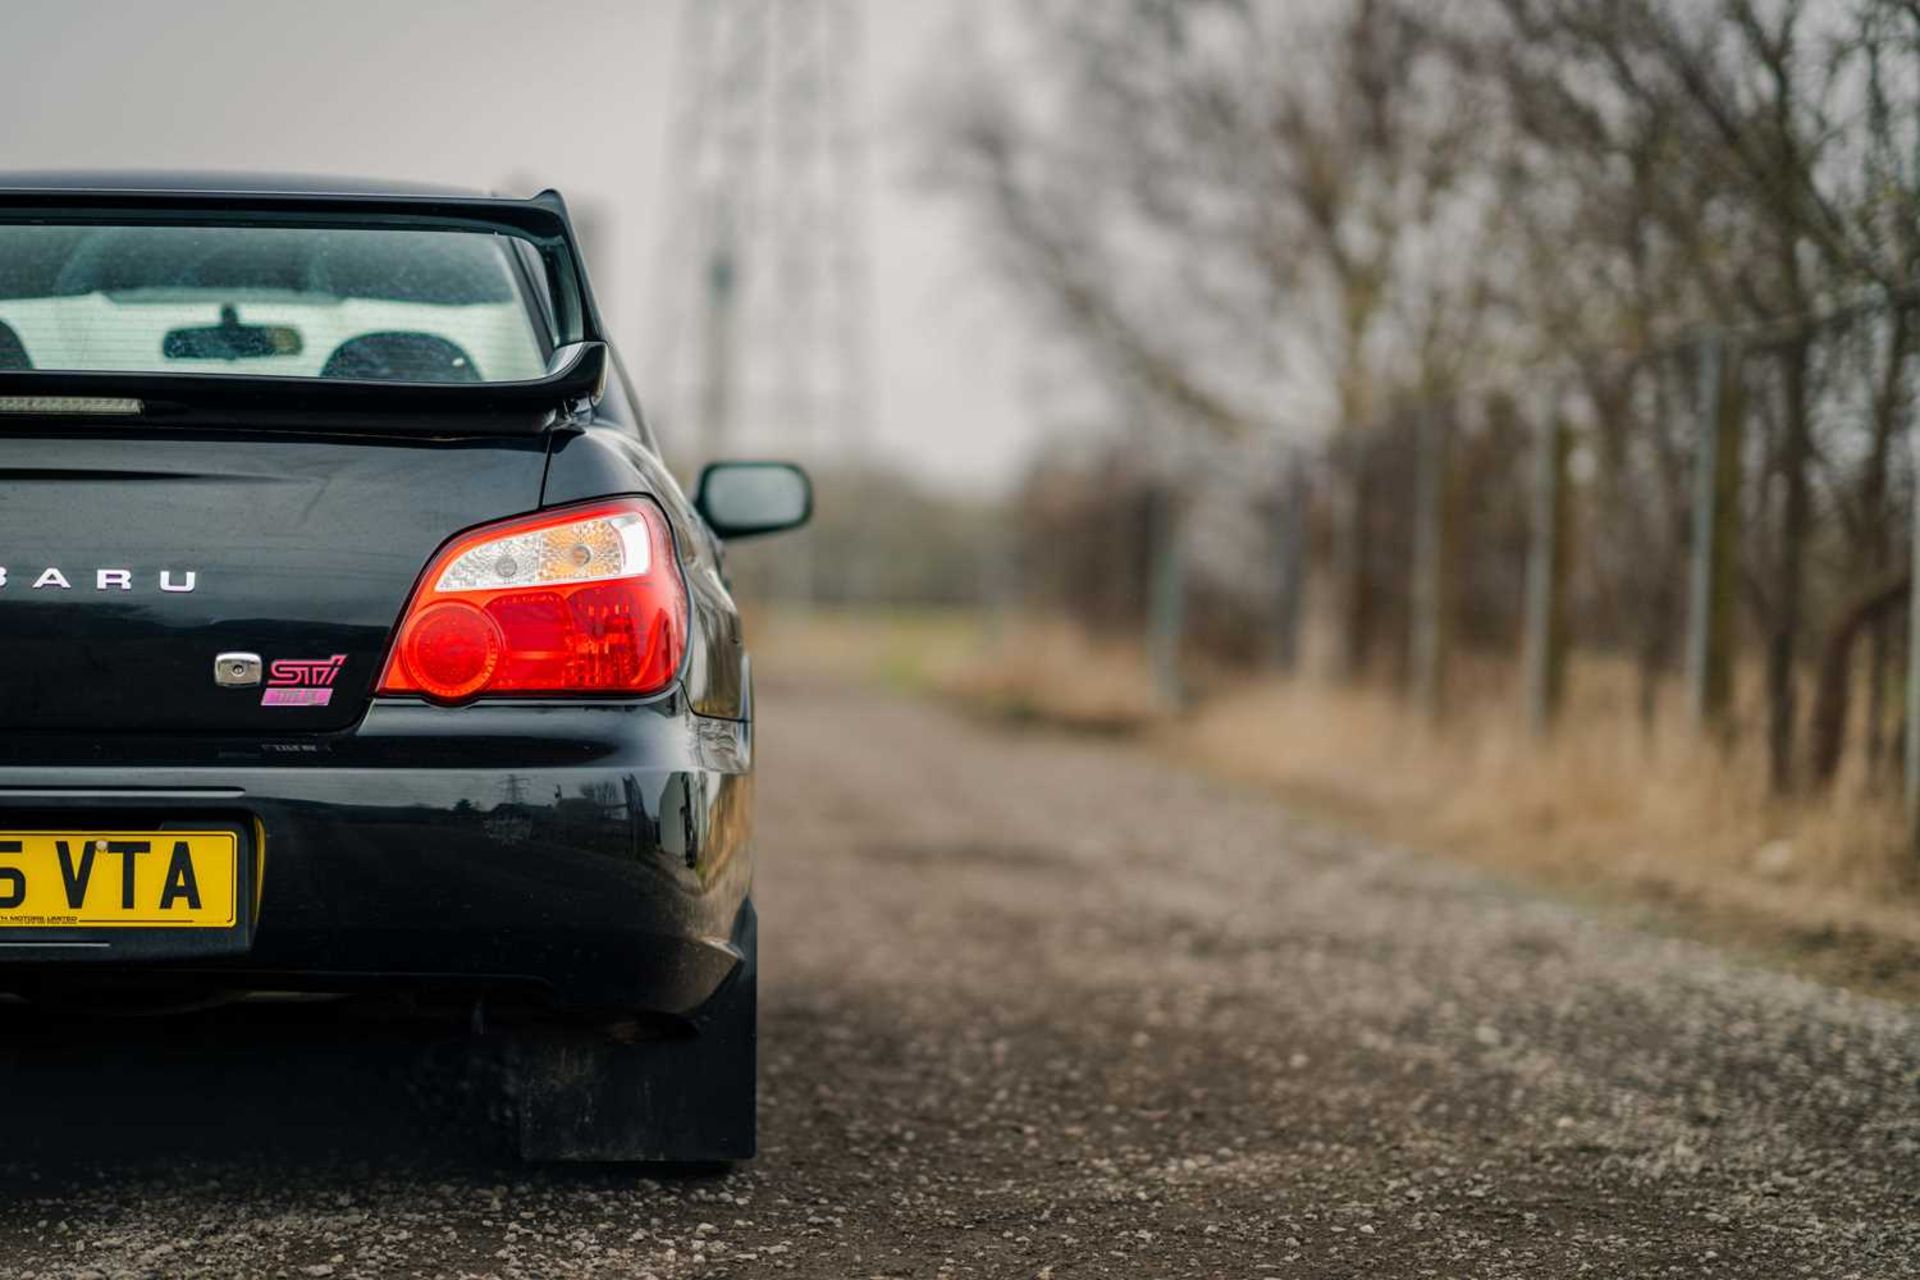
(1166, 592)
(1700, 554)
(1716, 534)
(1912, 761)
(1544, 640)
(1426, 641)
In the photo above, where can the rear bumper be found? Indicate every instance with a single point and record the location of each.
(594, 856)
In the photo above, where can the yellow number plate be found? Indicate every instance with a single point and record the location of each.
(119, 879)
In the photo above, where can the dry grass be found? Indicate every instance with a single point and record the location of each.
(911, 649)
(1605, 808)
(1052, 674)
(1609, 809)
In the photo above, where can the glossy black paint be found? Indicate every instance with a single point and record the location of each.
(300, 548)
(612, 453)
(593, 853)
(597, 852)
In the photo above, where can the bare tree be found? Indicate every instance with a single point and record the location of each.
(1260, 217)
(1254, 252)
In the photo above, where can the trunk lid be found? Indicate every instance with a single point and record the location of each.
(133, 560)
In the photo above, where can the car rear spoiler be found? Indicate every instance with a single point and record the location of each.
(576, 372)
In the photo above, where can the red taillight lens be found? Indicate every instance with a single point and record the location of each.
(583, 600)
(451, 647)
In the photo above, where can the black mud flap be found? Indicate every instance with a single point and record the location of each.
(689, 1100)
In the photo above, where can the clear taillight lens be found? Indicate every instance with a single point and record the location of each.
(587, 599)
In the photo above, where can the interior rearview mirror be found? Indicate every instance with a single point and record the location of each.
(231, 340)
(746, 499)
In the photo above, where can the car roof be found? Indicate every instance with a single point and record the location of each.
(199, 181)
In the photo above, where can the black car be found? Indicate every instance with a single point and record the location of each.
(354, 638)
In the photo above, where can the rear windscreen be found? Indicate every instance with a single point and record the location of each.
(362, 303)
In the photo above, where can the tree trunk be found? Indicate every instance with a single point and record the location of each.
(1879, 654)
(1790, 569)
(1290, 535)
(1881, 537)
(1827, 733)
(1355, 551)
(1545, 643)
(1655, 643)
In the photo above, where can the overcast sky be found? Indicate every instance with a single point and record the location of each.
(486, 92)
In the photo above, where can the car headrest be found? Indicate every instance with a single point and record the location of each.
(13, 352)
(400, 357)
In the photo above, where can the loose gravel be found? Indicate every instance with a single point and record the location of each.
(1043, 1007)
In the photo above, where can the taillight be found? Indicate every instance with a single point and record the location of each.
(582, 600)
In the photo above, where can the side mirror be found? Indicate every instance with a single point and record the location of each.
(746, 499)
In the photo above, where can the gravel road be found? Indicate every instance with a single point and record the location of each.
(1039, 1007)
